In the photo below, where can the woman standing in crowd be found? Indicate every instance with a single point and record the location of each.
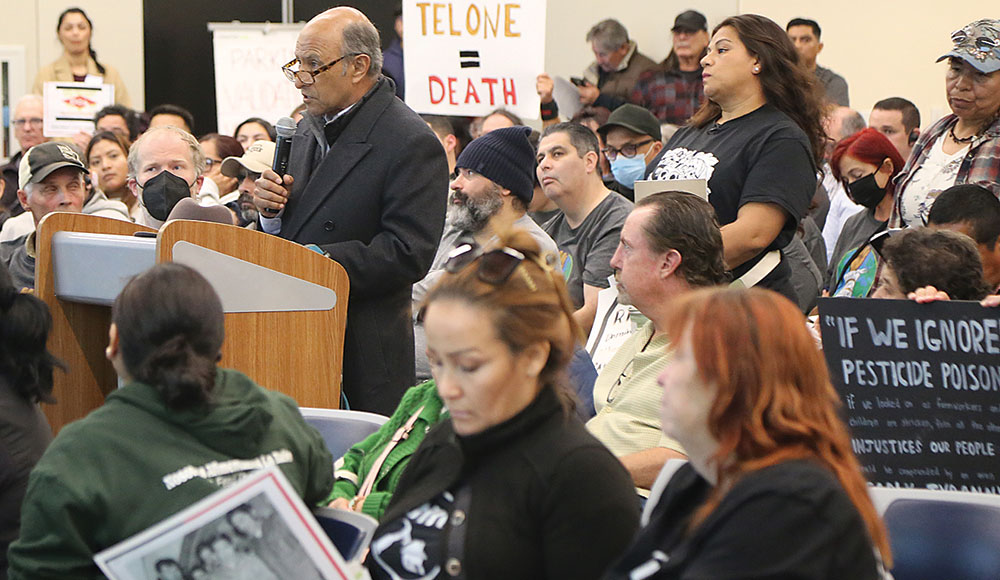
(772, 489)
(137, 459)
(78, 61)
(757, 141)
(866, 162)
(217, 148)
(511, 485)
(25, 380)
(252, 130)
(107, 159)
(962, 147)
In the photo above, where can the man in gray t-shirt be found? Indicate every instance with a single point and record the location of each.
(589, 226)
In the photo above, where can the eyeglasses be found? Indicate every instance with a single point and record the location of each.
(34, 122)
(628, 150)
(244, 173)
(307, 77)
(210, 161)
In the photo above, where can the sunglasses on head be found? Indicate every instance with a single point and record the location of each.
(495, 266)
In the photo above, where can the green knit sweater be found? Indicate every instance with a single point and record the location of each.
(352, 468)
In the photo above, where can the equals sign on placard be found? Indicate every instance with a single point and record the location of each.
(468, 58)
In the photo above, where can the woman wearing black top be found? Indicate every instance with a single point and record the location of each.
(757, 141)
(25, 379)
(511, 485)
(772, 490)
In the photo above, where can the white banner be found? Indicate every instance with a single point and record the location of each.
(248, 77)
(469, 58)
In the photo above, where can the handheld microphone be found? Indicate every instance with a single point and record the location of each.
(283, 145)
(285, 129)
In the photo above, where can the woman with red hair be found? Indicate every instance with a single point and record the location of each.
(772, 488)
(866, 162)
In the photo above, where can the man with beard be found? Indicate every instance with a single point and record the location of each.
(490, 194)
(246, 170)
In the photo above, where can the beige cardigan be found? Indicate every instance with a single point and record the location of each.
(60, 71)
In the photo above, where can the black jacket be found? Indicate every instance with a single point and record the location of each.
(376, 204)
(544, 498)
(785, 521)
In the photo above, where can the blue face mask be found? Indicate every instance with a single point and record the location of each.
(627, 171)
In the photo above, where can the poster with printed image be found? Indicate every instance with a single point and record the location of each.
(257, 529)
(70, 107)
(468, 58)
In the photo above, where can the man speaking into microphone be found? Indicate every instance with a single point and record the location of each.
(367, 182)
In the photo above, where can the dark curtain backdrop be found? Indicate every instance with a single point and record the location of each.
(178, 45)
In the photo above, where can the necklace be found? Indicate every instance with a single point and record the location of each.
(963, 140)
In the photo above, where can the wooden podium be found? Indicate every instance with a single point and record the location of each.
(286, 310)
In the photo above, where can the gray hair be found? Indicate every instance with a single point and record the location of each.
(609, 34)
(362, 38)
(197, 155)
(32, 187)
(853, 123)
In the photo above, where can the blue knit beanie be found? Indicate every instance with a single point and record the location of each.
(505, 157)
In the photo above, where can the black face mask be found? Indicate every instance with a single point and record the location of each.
(866, 191)
(162, 192)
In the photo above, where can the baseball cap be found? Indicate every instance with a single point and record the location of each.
(978, 44)
(690, 20)
(256, 159)
(42, 159)
(634, 118)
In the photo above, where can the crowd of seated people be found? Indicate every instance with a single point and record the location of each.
(498, 250)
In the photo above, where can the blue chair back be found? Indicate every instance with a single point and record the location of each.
(938, 540)
(341, 428)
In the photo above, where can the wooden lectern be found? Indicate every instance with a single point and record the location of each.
(286, 309)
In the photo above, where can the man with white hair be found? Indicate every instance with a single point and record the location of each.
(165, 165)
(27, 123)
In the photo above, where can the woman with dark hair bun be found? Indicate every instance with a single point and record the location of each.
(757, 140)
(78, 61)
(511, 484)
(26, 368)
(772, 489)
(179, 429)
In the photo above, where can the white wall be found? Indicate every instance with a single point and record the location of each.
(648, 22)
(117, 37)
(882, 48)
(885, 48)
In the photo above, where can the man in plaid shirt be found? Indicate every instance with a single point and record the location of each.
(673, 91)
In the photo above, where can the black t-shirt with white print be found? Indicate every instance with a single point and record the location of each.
(762, 157)
(413, 548)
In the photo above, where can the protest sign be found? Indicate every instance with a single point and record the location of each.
(70, 107)
(256, 528)
(248, 78)
(612, 326)
(921, 389)
(468, 58)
